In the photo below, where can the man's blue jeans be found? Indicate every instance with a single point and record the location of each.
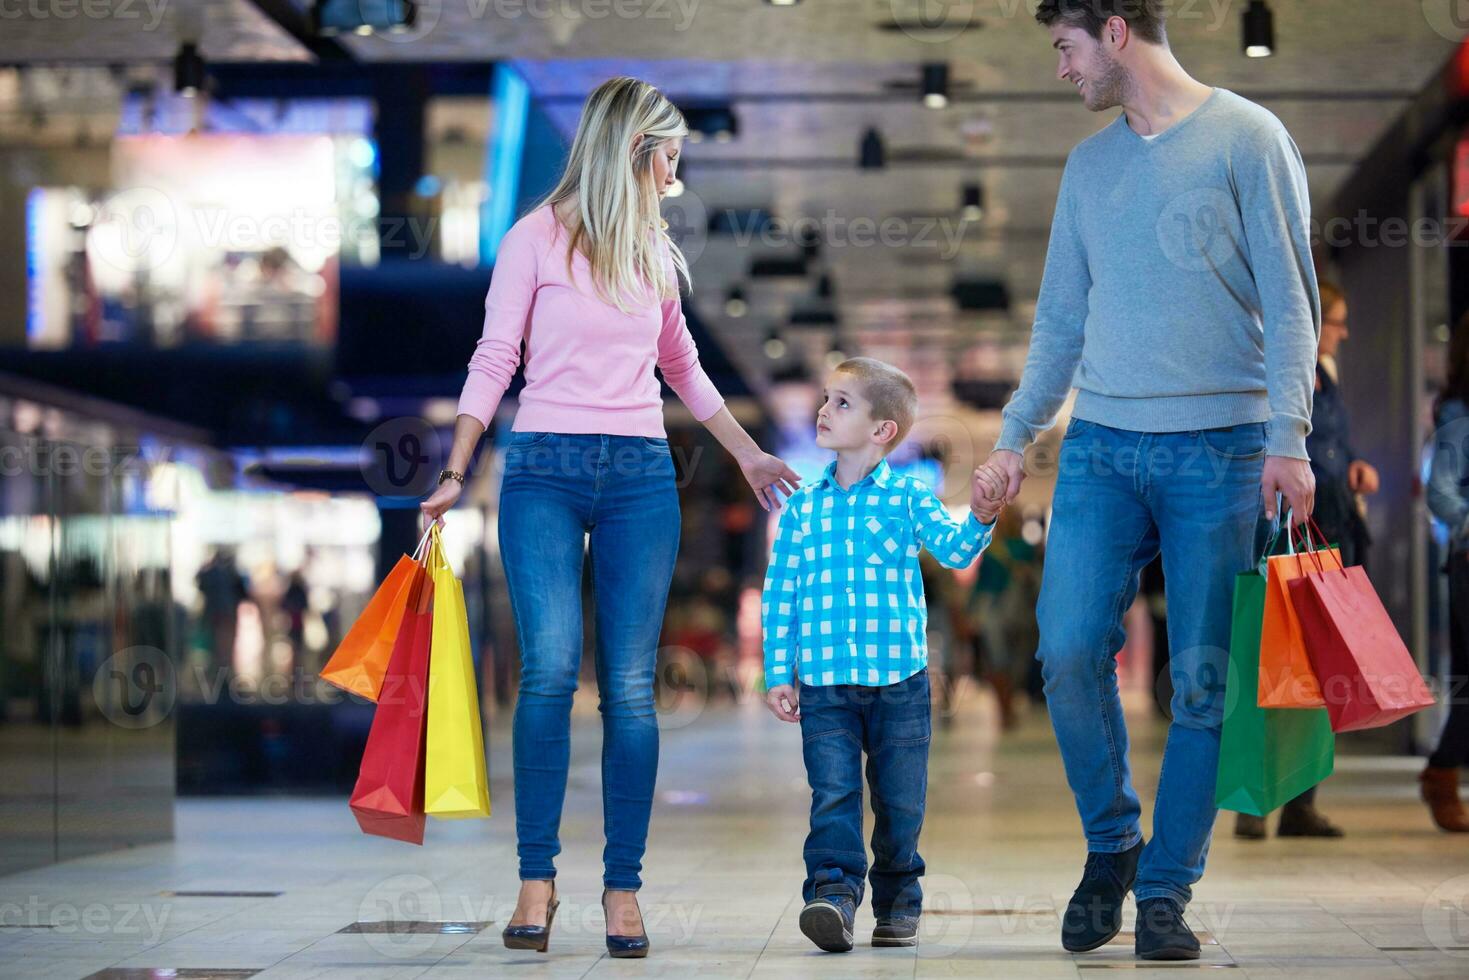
(1121, 497)
(893, 725)
(558, 490)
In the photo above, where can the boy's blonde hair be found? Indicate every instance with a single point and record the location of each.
(890, 391)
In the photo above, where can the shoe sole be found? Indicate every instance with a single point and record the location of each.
(823, 925)
(1172, 953)
(911, 941)
(1087, 949)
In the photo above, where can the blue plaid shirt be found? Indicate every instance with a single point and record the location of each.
(843, 597)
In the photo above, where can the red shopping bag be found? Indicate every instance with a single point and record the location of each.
(361, 659)
(388, 798)
(1367, 676)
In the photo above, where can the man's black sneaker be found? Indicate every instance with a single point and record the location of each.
(1094, 915)
(896, 930)
(1161, 932)
(827, 921)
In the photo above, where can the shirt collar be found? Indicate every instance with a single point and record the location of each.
(882, 475)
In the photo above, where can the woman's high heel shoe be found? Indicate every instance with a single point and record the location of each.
(535, 938)
(624, 947)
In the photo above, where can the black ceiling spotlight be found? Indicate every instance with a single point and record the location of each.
(972, 204)
(333, 17)
(871, 155)
(188, 70)
(1259, 30)
(735, 304)
(809, 242)
(936, 84)
(715, 121)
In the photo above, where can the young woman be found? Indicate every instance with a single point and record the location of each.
(589, 281)
(1448, 498)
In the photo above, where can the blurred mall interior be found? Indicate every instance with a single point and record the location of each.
(244, 249)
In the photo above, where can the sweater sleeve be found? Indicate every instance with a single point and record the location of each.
(1056, 337)
(507, 314)
(1448, 480)
(1275, 205)
(678, 359)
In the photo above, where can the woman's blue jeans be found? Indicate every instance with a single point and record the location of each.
(562, 492)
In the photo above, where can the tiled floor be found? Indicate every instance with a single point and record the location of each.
(722, 875)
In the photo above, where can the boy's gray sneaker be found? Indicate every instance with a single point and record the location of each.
(896, 930)
(827, 920)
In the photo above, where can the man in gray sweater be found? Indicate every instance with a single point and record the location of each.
(1180, 299)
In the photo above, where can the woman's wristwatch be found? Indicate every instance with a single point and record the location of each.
(451, 475)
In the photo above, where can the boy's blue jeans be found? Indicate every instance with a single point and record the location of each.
(892, 724)
(1121, 497)
(612, 497)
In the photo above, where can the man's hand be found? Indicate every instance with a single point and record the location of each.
(1293, 479)
(1362, 477)
(987, 495)
(1009, 468)
(784, 702)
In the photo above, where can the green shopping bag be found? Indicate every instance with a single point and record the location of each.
(1267, 756)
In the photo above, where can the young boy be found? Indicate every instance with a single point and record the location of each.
(845, 651)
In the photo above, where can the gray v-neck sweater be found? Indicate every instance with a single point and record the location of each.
(1179, 292)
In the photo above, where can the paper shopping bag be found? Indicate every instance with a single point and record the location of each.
(361, 659)
(388, 798)
(1367, 675)
(1286, 677)
(455, 783)
(1267, 756)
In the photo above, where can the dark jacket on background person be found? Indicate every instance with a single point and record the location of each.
(1330, 448)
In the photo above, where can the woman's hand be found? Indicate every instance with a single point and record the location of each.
(1362, 478)
(767, 475)
(441, 500)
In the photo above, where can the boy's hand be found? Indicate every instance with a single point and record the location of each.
(783, 702)
(987, 497)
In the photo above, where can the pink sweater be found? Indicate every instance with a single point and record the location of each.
(588, 367)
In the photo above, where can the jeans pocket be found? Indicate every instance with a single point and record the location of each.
(1237, 443)
(656, 446)
(521, 441)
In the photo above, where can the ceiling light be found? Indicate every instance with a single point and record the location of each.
(188, 70)
(972, 204)
(870, 155)
(774, 347)
(735, 304)
(936, 84)
(1259, 30)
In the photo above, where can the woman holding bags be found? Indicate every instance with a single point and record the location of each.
(588, 280)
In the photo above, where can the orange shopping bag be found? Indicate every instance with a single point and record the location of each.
(1286, 677)
(361, 659)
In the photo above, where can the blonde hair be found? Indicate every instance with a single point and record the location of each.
(1331, 294)
(890, 391)
(617, 218)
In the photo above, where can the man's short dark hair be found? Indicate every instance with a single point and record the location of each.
(1145, 17)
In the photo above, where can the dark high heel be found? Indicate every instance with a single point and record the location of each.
(535, 938)
(624, 947)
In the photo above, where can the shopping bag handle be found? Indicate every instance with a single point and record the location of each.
(416, 556)
(1262, 566)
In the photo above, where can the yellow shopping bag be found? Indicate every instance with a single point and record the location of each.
(455, 783)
